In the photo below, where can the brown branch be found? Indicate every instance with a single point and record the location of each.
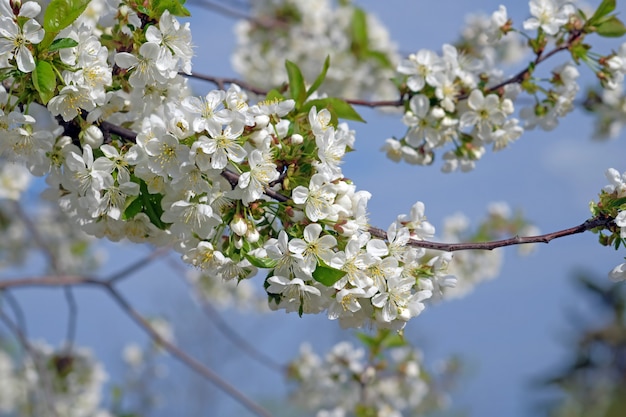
(186, 359)
(175, 351)
(264, 22)
(221, 82)
(517, 240)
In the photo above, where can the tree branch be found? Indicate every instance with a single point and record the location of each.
(266, 23)
(517, 240)
(175, 351)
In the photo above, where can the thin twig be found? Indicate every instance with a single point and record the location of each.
(139, 264)
(517, 240)
(188, 360)
(229, 333)
(267, 23)
(56, 268)
(72, 317)
(221, 82)
(20, 318)
(175, 351)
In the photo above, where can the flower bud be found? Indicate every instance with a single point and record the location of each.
(238, 225)
(92, 136)
(297, 139)
(252, 235)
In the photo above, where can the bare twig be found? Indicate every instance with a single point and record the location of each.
(56, 268)
(20, 319)
(186, 359)
(175, 351)
(517, 240)
(266, 23)
(230, 334)
(139, 264)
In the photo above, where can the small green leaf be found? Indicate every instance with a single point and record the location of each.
(296, 83)
(265, 263)
(151, 204)
(62, 44)
(338, 107)
(367, 340)
(393, 340)
(380, 57)
(175, 7)
(606, 7)
(133, 207)
(44, 80)
(327, 275)
(611, 28)
(320, 78)
(58, 15)
(617, 202)
(358, 28)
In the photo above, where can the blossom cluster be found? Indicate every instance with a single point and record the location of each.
(348, 382)
(459, 99)
(233, 186)
(611, 204)
(59, 382)
(361, 53)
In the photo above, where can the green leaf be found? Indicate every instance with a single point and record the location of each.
(327, 275)
(338, 107)
(59, 15)
(265, 263)
(367, 340)
(133, 207)
(606, 7)
(617, 202)
(358, 29)
(175, 8)
(381, 57)
(151, 204)
(62, 44)
(296, 83)
(320, 78)
(611, 28)
(393, 340)
(45, 80)
(579, 51)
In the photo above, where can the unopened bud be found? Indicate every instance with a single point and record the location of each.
(92, 136)
(238, 225)
(296, 139)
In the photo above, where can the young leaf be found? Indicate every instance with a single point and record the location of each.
(62, 44)
(264, 263)
(296, 83)
(327, 275)
(358, 27)
(152, 205)
(338, 108)
(611, 28)
(133, 207)
(320, 78)
(606, 7)
(59, 15)
(44, 80)
(175, 8)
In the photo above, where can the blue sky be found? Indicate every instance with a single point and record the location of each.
(508, 330)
